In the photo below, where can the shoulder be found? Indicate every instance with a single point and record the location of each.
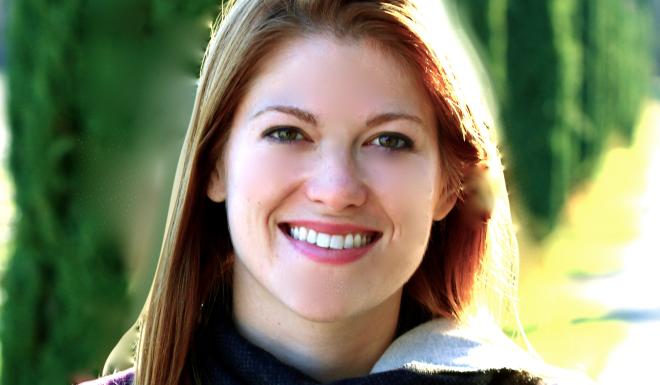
(124, 377)
(446, 346)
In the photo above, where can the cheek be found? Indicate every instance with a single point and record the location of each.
(260, 175)
(408, 192)
(407, 187)
(259, 178)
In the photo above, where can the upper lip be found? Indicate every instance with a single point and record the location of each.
(331, 228)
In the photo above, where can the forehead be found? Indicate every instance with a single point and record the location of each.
(327, 74)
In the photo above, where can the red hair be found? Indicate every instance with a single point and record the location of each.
(196, 256)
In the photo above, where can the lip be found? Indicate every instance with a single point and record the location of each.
(327, 255)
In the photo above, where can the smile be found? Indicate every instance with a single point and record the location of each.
(330, 243)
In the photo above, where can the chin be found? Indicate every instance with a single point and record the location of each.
(322, 309)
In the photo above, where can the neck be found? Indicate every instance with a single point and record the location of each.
(325, 350)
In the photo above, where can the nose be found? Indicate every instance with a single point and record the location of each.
(335, 182)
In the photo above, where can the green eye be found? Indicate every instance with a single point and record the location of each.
(392, 141)
(285, 134)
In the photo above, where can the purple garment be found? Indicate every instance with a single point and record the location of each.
(125, 377)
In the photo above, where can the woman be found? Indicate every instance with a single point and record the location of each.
(339, 210)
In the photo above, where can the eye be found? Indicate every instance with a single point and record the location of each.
(392, 141)
(284, 134)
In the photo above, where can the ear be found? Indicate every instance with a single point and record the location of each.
(216, 189)
(446, 202)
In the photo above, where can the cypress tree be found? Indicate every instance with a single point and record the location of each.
(63, 274)
(82, 80)
(634, 51)
(532, 57)
(540, 111)
(617, 67)
(567, 75)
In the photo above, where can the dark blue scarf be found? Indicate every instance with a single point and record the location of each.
(226, 358)
(221, 356)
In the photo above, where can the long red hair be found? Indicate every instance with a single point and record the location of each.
(471, 251)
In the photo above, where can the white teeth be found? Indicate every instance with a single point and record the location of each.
(333, 241)
(322, 240)
(337, 242)
(302, 233)
(348, 241)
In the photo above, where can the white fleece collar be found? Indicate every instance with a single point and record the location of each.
(443, 345)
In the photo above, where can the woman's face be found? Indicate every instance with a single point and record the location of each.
(332, 180)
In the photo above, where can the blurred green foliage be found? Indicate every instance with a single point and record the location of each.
(568, 74)
(82, 80)
(617, 65)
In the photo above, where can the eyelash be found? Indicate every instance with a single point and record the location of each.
(402, 142)
(273, 134)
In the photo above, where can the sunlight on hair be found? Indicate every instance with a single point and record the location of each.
(459, 54)
(494, 297)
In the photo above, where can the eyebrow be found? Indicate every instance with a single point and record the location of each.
(295, 111)
(309, 117)
(390, 116)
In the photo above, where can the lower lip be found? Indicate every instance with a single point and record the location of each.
(330, 256)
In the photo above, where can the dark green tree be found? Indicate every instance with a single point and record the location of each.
(617, 71)
(540, 112)
(97, 89)
(567, 74)
(532, 56)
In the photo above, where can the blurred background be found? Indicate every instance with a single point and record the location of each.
(95, 98)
